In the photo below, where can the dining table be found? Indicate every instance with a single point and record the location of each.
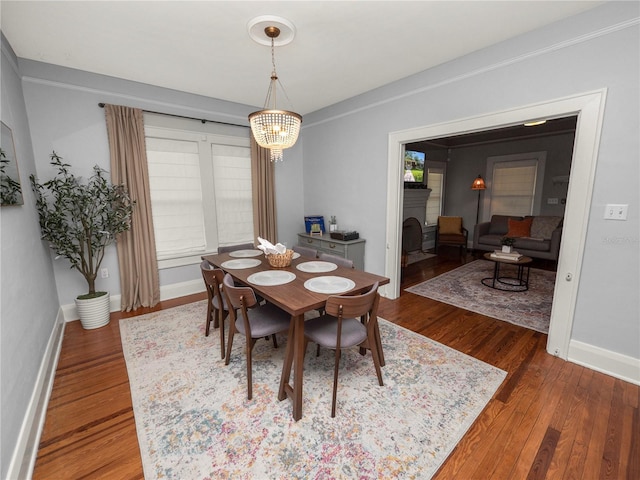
(301, 287)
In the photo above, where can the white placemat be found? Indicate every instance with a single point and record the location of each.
(329, 284)
(316, 267)
(271, 277)
(245, 253)
(241, 263)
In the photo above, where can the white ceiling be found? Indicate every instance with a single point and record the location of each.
(341, 48)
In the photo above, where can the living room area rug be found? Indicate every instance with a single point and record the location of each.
(462, 288)
(194, 421)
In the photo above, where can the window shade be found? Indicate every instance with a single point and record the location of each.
(513, 188)
(176, 196)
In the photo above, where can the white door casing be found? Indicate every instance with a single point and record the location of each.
(589, 107)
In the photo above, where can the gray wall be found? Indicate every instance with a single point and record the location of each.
(64, 116)
(466, 163)
(338, 167)
(346, 176)
(28, 305)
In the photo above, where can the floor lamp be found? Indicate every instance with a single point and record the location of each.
(478, 184)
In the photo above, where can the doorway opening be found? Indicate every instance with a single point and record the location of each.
(589, 109)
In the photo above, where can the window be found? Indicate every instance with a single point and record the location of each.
(435, 181)
(514, 189)
(200, 184)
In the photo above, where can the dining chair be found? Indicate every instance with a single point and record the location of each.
(233, 248)
(341, 261)
(341, 327)
(217, 310)
(305, 251)
(254, 321)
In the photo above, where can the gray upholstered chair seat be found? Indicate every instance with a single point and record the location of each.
(324, 331)
(265, 320)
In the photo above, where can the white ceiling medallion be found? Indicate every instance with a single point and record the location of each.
(257, 25)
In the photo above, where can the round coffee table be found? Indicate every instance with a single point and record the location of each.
(519, 283)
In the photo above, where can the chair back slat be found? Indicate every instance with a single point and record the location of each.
(212, 277)
(343, 262)
(233, 248)
(352, 305)
(236, 295)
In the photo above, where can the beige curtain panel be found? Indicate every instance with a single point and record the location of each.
(139, 279)
(265, 222)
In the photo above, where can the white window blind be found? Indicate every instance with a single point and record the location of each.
(176, 196)
(435, 181)
(201, 194)
(513, 188)
(232, 185)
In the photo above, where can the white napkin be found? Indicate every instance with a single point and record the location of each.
(269, 248)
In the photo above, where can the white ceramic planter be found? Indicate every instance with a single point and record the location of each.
(93, 312)
(507, 248)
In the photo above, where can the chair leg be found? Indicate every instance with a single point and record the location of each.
(249, 369)
(222, 316)
(275, 342)
(232, 331)
(318, 350)
(376, 359)
(209, 315)
(335, 383)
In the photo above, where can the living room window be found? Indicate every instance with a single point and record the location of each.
(200, 184)
(515, 187)
(435, 181)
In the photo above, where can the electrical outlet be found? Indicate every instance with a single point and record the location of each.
(552, 201)
(615, 212)
(104, 273)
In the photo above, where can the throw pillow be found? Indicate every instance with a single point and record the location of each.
(543, 226)
(519, 228)
(450, 225)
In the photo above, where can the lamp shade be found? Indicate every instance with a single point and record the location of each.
(478, 184)
(275, 129)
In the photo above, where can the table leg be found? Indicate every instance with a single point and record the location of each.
(294, 355)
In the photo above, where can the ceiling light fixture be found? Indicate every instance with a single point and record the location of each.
(535, 123)
(272, 128)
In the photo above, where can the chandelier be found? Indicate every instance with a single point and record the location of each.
(272, 128)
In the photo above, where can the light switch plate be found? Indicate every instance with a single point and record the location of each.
(615, 212)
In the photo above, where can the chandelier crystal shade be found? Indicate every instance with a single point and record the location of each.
(272, 128)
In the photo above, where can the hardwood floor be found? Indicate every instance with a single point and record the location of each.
(550, 418)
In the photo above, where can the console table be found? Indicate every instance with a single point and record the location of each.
(351, 249)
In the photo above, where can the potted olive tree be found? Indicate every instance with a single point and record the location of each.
(79, 220)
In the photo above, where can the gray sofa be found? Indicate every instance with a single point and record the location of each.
(544, 241)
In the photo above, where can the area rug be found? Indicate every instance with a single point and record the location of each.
(194, 420)
(462, 287)
(418, 256)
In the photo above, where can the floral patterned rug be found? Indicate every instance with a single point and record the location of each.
(462, 287)
(194, 420)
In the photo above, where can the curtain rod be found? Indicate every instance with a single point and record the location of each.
(101, 105)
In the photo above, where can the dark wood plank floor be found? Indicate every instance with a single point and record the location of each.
(550, 419)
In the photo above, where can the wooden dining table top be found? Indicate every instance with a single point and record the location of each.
(294, 297)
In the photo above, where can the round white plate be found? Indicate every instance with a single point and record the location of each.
(295, 255)
(241, 263)
(329, 284)
(271, 277)
(316, 267)
(245, 253)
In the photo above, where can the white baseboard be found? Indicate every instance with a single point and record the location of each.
(605, 361)
(25, 452)
(167, 292)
